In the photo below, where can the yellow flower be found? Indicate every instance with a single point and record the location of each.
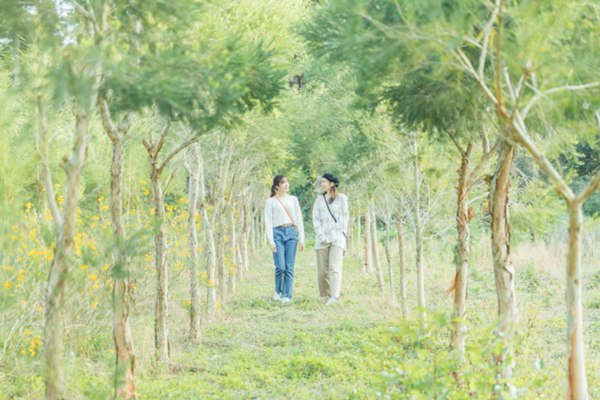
(83, 267)
(100, 199)
(28, 205)
(95, 304)
(93, 277)
(8, 285)
(8, 268)
(105, 208)
(105, 267)
(146, 192)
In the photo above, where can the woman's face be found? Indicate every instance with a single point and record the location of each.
(325, 184)
(284, 186)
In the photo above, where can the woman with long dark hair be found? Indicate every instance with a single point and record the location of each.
(330, 221)
(285, 229)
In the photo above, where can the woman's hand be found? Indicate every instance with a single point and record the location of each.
(273, 249)
(301, 246)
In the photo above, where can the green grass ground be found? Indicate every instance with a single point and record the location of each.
(359, 348)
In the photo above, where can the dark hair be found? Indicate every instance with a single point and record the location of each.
(333, 191)
(276, 182)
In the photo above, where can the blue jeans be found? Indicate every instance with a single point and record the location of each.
(286, 243)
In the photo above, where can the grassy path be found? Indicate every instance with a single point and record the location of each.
(261, 349)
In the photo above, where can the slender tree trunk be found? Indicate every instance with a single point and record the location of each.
(211, 290)
(124, 377)
(577, 388)
(221, 267)
(193, 172)
(161, 323)
(418, 230)
(61, 264)
(233, 270)
(457, 339)
(388, 257)
(375, 248)
(401, 264)
(503, 268)
(244, 240)
(368, 264)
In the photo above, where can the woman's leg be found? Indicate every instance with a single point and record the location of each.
(336, 258)
(323, 271)
(279, 260)
(291, 244)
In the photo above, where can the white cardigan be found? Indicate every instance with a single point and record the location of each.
(275, 216)
(327, 231)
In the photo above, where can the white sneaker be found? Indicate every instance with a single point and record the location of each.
(285, 300)
(277, 296)
(330, 301)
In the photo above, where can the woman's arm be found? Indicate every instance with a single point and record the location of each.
(299, 220)
(316, 218)
(269, 222)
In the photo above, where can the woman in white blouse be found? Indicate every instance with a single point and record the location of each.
(330, 221)
(285, 229)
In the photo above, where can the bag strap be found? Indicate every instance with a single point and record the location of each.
(329, 209)
(286, 210)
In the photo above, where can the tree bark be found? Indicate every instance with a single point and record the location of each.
(375, 248)
(368, 264)
(245, 267)
(401, 263)
(577, 388)
(457, 339)
(161, 323)
(193, 172)
(211, 292)
(125, 363)
(388, 257)
(233, 269)
(61, 264)
(500, 235)
(418, 230)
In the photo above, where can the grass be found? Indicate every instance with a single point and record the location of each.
(359, 348)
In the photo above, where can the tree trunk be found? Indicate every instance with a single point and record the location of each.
(211, 292)
(388, 257)
(244, 240)
(457, 340)
(375, 248)
(401, 264)
(503, 269)
(61, 264)
(577, 388)
(368, 265)
(221, 267)
(418, 230)
(124, 377)
(193, 171)
(233, 269)
(161, 323)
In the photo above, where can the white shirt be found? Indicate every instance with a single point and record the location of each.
(275, 215)
(327, 230)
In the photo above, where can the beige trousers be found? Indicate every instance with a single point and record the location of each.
(329, 263)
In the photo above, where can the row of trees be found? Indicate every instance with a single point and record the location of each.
(173, 72)
(466, 69)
